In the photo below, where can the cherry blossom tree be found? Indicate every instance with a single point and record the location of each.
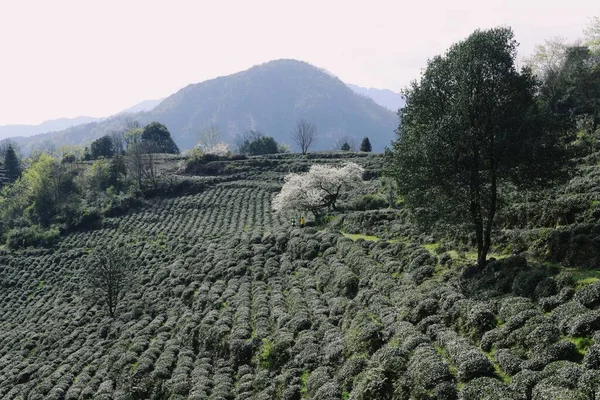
(317, 190)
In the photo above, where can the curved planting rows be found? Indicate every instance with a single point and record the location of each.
(228, 302)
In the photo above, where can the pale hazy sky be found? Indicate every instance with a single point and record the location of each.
(64, 58)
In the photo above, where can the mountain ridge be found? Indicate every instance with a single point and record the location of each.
(60, 124)
(271, 97)
(384, 97)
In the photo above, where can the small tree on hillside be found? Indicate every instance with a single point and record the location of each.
(259, 145)
(109, 271)
(102, 147)
(344, 143)
(12, 164)
(141, 160)
(318, 189)
(366, 145)
(304, 135)
(469, 126)
(209, 138)
(159, 137)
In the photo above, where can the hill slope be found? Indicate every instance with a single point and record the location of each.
(46, 126)
(230, 302)
(62, 125)
(384, 97)
(146, 105)
(271, 97)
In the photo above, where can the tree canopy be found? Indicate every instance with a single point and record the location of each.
(366, 145)
(318, 189)
(102, 147)
(158, 136)
(471, 125)
(258, 144)
(12, 164)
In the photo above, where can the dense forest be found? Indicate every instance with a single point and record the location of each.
(462, 263)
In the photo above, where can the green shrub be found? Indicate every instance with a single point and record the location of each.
(33, 236)
(370, 202)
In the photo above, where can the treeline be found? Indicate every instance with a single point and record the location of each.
(53, 194)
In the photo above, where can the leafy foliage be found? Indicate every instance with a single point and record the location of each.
(157, 137)
(366, 145)
(469, 127)
(102, 147)
(258, 144)
(12, 164)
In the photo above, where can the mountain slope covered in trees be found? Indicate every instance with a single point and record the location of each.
(270, 98)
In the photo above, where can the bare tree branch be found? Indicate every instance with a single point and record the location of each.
(304, 135)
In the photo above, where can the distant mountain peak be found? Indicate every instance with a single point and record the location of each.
(270, 97)
(384, 97)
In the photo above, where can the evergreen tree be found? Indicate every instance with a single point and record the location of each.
(366, 145)
(12, 164)
(345, 147)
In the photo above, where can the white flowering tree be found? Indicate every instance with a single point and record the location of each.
(317, 190)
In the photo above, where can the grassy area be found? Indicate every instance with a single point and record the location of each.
(581, 344)
(359, 236)
(584, 276)
(433, 248)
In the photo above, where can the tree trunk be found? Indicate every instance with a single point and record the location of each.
(476, 208)
(487, 239)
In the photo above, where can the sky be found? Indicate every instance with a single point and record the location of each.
(65, 58)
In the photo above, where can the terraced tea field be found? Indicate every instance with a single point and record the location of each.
(228, 301)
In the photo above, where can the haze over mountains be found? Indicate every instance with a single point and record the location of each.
(270, 97)
(384, 97)
(46, 126)
(60, 124)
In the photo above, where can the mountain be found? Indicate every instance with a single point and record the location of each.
(270, 97)
(384, 97)
(146, 105)
(46, 126)
(61, 124)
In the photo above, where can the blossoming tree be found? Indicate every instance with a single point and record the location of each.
(317, 190)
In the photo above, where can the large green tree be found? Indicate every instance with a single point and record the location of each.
(258, 144)
(470, 127)
(158, 139)
(102, 147)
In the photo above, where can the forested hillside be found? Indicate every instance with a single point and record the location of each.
(270, 98)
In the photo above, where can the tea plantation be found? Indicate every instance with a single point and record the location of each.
(228, 301)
